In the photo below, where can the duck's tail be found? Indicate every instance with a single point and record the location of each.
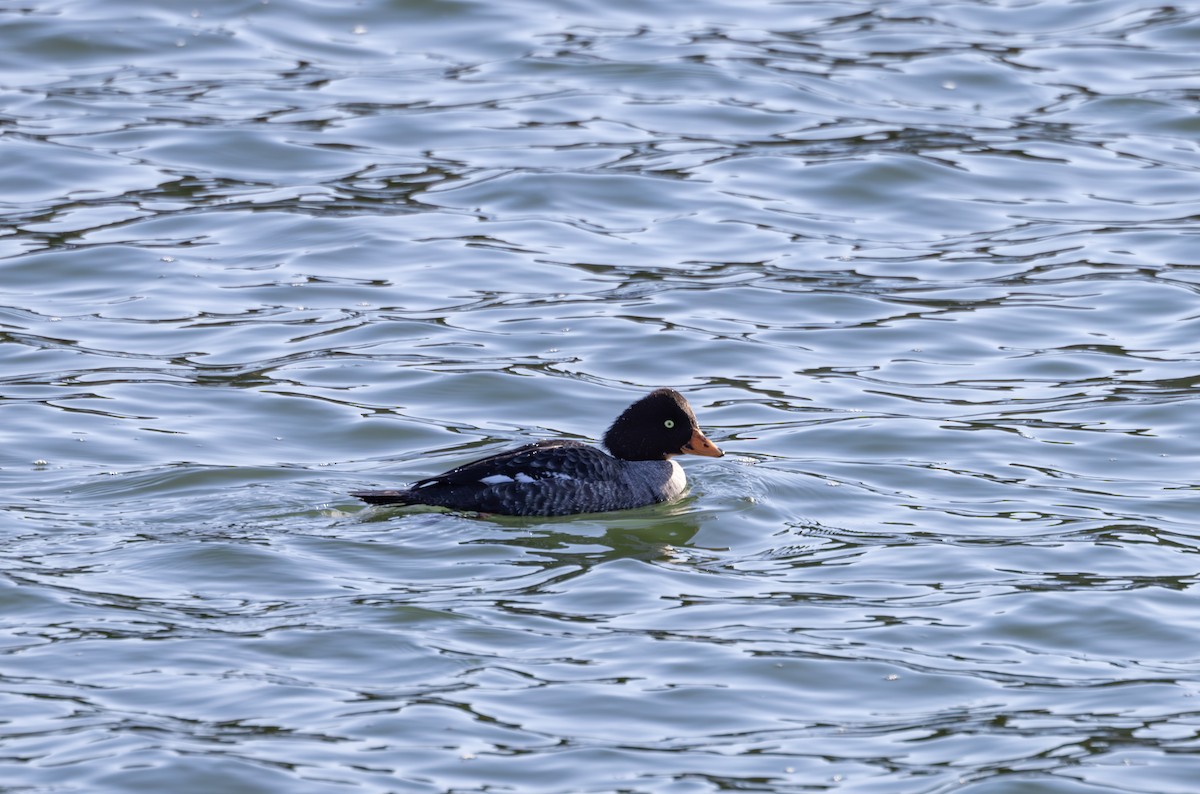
(384, 497)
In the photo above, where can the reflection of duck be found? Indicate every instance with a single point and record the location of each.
(555, 478)
(656, 534)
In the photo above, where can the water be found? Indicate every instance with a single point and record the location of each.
(926, 270)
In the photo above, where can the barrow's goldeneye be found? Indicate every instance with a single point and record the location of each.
(555, 478)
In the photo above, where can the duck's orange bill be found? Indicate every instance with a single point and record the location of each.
(700, 445)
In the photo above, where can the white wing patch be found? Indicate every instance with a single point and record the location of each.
(522, 477)
(496, 479)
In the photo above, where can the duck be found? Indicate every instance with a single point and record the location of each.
(565, 477)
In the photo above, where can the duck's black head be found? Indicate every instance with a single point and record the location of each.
(656, 427)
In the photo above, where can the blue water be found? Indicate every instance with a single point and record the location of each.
(927, 272)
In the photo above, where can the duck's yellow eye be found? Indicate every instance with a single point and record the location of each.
(669, 423)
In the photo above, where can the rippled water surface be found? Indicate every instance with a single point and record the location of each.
(926, 270)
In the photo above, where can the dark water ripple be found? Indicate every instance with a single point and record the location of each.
(927, 271)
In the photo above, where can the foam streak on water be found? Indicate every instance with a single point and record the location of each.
(927, 271)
